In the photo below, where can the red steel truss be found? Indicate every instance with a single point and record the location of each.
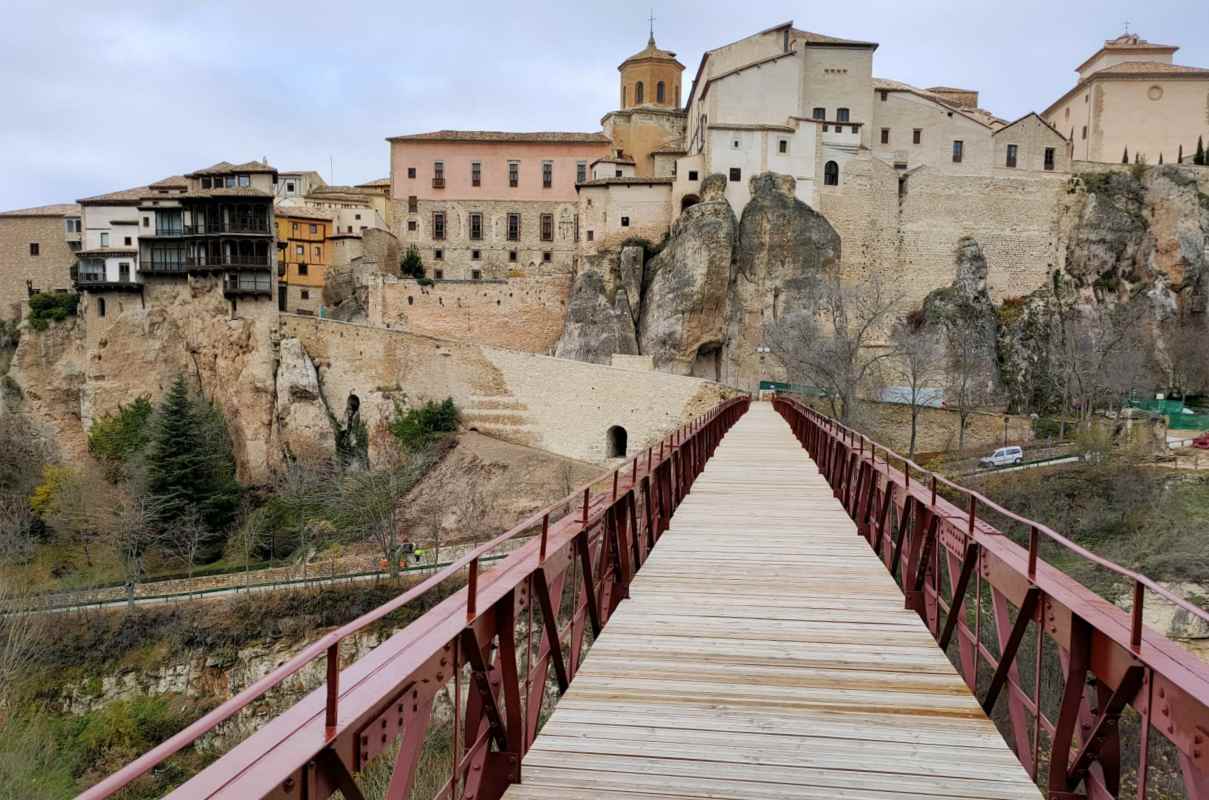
(466, 648)
(1066, 715)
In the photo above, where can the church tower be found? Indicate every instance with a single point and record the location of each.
(651, 77)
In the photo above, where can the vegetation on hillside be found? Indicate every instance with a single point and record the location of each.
(417, 428)
(47, 307)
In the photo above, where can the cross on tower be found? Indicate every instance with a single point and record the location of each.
(1126, 26)
(651, 19)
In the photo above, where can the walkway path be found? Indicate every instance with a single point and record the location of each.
(765, 653)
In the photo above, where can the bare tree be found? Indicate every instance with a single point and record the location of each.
(920, 352)
(16, 529)
(1186, 356)
(969, 342)
(830, 342)
(366, 504)
(184, 539)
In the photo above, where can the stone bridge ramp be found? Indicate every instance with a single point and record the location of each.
(764, 652)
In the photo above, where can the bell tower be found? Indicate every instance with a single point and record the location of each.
(651, 77)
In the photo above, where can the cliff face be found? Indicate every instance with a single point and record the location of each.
(706, 296)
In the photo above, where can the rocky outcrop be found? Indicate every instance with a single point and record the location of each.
(784, 247)
(687, 288)
(304, 422)
(708, 293)
(603, 311)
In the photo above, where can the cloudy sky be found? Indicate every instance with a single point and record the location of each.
(106, 95)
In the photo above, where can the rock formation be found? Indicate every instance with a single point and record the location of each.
(304, 422)
(706, 295)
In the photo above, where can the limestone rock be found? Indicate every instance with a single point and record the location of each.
(784, 245)
(303, 421)
(683, 318)
(600, 318)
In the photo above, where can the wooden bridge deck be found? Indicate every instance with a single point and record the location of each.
(765, 653)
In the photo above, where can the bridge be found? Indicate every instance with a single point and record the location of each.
(764, 605)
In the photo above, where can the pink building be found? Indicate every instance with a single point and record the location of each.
(488, 204)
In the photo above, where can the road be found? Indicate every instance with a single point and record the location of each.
(1049, 462)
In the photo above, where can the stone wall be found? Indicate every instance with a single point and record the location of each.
(515, 313)
(48, 271)
(559, 405)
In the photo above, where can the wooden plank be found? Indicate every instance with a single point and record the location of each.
(764, 653)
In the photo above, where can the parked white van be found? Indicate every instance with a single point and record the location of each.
(1003, 457)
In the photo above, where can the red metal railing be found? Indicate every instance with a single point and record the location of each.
(585, 559)
(1106, 661)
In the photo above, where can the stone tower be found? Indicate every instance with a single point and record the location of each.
(651, 77)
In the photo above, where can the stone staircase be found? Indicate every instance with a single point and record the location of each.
(502, 417)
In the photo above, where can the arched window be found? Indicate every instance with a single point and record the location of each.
(615, 442)
(100, 306)
(623, 96)
(659, 92)
(831, 174)
(638, 93)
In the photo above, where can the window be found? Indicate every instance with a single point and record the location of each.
(229, 182)
(126, 241)
(35, 248)
(547, 174)
(314, 228)
(623, 96)
(73, 225)
(302, 269)
(1011, 155)
(958, 150)
(475, 255)
(841, 115)
(305, 294)
(514, 227)
(1049, 159)
(289, 186)
(547, 227)
(356, 216)
(547, 256)
(783, 146)
(638, 94)
(438, 225)
(104, 239)
(659, 92)
(476, 173)
(293, 227)
(100, 306)
(438, 174)
(581, 171)
(476, 274)
(831, 174)
(411, 224)
(299, 250)
(590, 236)
(514, 173)
(1084, 131)
(438, 255)
(413, 204)
(883, 94)
(736, 174)
(828, 127)
(205, 183)
(885, 136)
(577, 227)
(692, 174)
(146, 222)
(917, 136)
(438, 274)
(124, 271)
(625, 222)
(512, 255)
(819, 113)
(411, 172)
(245, 181)
(1068, 112)
(476, 225)
(617, 173)
(318, 251)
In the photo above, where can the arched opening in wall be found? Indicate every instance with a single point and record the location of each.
(638, 93)
(615, 442)
(831, 174)
(708, 362)
(100, 306)
(660, 92)
(688, 201)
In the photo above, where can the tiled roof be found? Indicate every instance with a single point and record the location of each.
(122, 196)
(1131, 41)
(979, 115)
(650, 51)
(629, 182)
(607, 160)
(502, 136)
(176, 181)
(949, 89)
(55, 210)
(1150, 68)
(809, 37)
(234, 191)
(305, 212)
(227, 168)
(380, 182)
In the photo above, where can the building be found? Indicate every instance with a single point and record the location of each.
(490, 204)
(298, 183)
(649, 117)
(113, 224)
(303, 256)
(37, 249)
(1130, 95)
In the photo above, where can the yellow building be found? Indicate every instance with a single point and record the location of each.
(302, 257)
(650, 117)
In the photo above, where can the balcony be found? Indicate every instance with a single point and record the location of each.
(94, 279)
(438, 183)
(188, 264)
(259, 228)
(247, 285)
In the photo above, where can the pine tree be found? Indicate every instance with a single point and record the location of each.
(1160, 158)
(1179, 159)
(1199, 158)
(1125, 158)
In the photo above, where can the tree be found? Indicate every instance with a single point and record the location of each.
(1199, 158)
(365, 504)
(1160, 158)
(411, 265)
(920, 353)
(1186, 360)
(829, 342)
(968, 341)
(1180, 157)
(185, 540)
(114, 439)
(1125, 158)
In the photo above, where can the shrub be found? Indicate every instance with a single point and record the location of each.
(115, 438)
(411, 265)
(47, 307)
(424, 281)
(416, 428)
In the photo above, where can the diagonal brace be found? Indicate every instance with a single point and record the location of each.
(1028, 608)
(959, 592)
(550, 622)
(478, 671)
(1105, 727)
